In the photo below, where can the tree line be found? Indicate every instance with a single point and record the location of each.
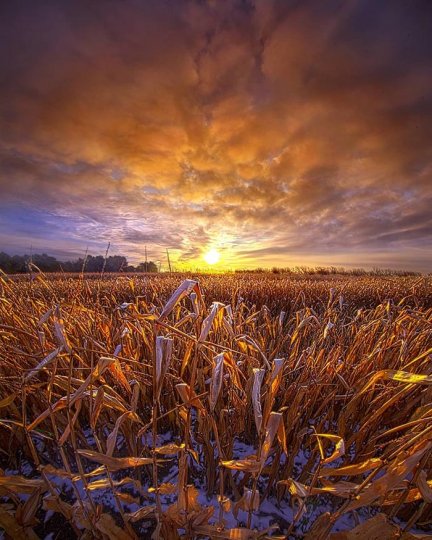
(331, 270)
(18, 264)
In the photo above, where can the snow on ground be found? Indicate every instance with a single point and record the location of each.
(270, 512)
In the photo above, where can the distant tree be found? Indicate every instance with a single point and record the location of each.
(5, 262)
(149, 266)
(116, 263)
(19, 263)
(46, 263)
(72, 266)
(94, 264)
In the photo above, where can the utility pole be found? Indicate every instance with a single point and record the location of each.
(84, 262)
(146, 265)
(30, 266)
(169, 262)
(106, 257)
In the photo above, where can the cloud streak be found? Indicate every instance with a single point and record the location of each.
(280, 132)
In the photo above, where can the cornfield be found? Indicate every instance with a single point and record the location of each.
(223, 407)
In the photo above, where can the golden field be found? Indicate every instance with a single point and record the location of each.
(232, 406)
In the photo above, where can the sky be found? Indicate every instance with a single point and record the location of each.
(278, 132)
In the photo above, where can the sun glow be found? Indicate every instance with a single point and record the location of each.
(212, 256)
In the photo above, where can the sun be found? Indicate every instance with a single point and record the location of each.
(212, 256)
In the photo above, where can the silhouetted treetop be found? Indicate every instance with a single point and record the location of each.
(18, 264)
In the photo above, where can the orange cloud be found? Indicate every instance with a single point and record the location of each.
(281, 131)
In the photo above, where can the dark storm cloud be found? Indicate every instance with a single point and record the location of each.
(277, 131)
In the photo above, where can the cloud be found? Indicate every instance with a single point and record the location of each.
(278, 131)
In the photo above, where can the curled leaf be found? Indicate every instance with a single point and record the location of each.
(114, 464)
(256, 396)
(216, 380)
